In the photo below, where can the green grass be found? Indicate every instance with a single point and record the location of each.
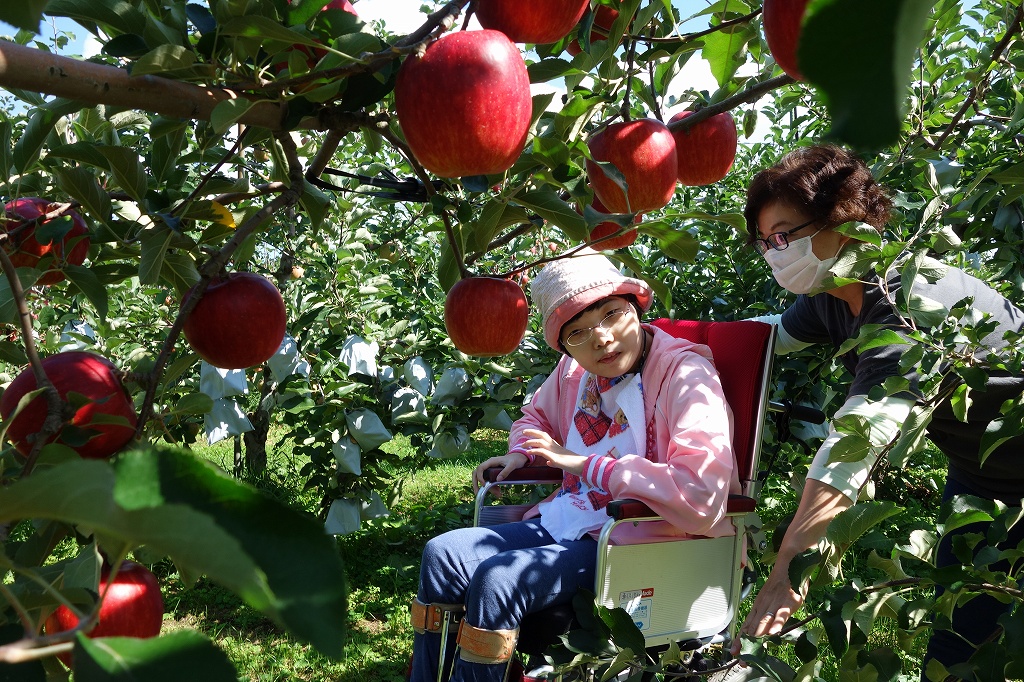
(381, 562)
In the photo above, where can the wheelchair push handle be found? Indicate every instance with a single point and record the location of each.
(803, 413)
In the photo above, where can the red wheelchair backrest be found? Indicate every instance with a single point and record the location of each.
(743, 352)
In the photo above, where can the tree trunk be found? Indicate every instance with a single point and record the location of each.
(256, 440)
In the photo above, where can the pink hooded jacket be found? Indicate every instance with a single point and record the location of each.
(688, 471)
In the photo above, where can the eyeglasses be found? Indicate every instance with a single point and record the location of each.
(581, 336)
(778, 240)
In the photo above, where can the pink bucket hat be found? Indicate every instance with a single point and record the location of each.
(568, 286)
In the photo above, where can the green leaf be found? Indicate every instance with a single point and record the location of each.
(625, 633)
(155, 243)
(85, 280)
(122, 16)
(999, 431)
(853, 522)
(549, 206)
(179, 270)
(850, 448)
(193, 403)
(866, 97)
(13, 353)
(871, 336)
(736, 220)
(675, 243)
(278, 560)
(801, 567)
(726, 50)
(548, 69)
(182, 654)
(227, 112)
(925, 311)
(317, 204)
(913, 435)
(264, 28)
(82, 185)
(24, 14)
(127, 170)
(163, 59)
(39, 127)
(882, 664)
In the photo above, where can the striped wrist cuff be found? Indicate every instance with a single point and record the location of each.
(597, 471)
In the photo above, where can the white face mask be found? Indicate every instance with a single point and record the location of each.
(796, 268)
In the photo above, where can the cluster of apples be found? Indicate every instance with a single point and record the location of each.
(465, 109)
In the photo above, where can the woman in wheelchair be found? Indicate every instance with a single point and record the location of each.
(629, 412)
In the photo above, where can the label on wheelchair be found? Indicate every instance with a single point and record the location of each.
(638, 604)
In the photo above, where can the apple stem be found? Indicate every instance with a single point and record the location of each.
(630, 56)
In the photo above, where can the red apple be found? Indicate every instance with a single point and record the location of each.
(531, 21)
(132, 607)
(486, 316)
(706, 151)
(465, 106)
(645, 153)
(782, 22)
(89, 374)
(599, 235)
(26, 251)
(239, 322)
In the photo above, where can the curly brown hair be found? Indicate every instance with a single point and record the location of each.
(825, 182)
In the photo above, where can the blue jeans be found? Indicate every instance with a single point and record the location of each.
(501, 573)
(975, 621)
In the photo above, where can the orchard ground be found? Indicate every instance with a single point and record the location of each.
(382, 563)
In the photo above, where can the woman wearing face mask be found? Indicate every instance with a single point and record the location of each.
(791, 212)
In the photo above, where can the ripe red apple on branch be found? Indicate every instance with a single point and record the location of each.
(599, 236)
(644, 152)
(705, 152)
(486, 316)
(26, 251)
(132, 606)
(531, 21)
(465, 105)
(783, 20)
(239, 322)
(88, 374)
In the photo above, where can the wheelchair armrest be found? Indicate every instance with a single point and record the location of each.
(528, 473)
(740, 504)
(633, 509)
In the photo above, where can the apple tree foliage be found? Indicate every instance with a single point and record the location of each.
(203, 137)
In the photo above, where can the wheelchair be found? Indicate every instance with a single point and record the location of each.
(682, 592)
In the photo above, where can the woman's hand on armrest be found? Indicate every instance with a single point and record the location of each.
(508, 463)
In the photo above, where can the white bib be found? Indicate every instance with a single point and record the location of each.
(609, 421)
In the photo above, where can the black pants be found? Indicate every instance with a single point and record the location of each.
(975, 621)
